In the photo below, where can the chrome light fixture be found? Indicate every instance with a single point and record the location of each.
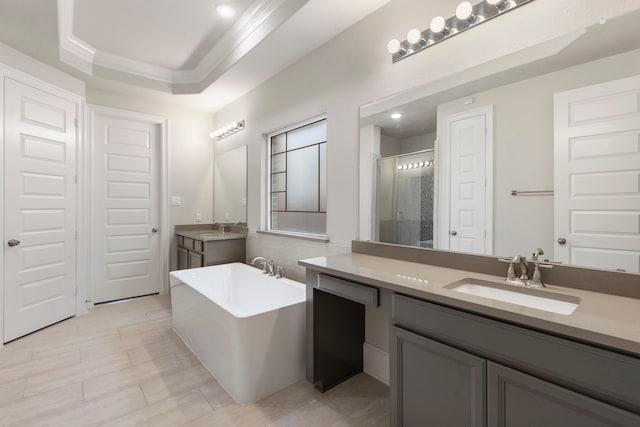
(466, 16)
(227, 130)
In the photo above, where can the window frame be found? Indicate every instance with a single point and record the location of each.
(268, 179)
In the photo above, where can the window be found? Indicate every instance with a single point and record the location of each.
(297, 178)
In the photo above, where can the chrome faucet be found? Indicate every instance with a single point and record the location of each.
(267, 265)
(222, 228)
(521, 261)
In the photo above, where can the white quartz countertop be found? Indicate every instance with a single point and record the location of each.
(208, 235)
(606, 320)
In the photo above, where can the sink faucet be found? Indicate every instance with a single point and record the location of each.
(222, 228)
(521, 261)
(267, 265)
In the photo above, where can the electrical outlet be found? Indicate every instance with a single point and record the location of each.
(198, 217)
(227, 215)
(176, 201)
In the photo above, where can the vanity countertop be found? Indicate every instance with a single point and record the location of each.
(607, 320)
(207, 235)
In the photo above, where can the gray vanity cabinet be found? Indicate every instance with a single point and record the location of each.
(520, 400)
(435, 384)
(194, 253)
(452, 368)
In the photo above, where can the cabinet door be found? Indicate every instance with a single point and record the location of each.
(433, 384)
(183, 259)
(516, 399)
(195, 260)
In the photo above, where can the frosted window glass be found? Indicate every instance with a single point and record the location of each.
(278, 181)
(307, 135)
(300, 222)
(302, 179)
(278, 143)
(278, 201)
(278, 163)
(323, 177)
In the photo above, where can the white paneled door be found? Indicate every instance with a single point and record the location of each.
(40, 209)
(126, 241)
(467, 138)
(597, 175)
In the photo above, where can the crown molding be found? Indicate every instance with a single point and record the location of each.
(247, 32)
(72, 50)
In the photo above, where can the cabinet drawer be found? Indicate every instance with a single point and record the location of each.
(188, 243)
(603, 374)
(352, 291)
(198, 246)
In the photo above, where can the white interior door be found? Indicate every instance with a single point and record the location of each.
(40, 209)
(126, 207)
(467, 142)
(597, 175)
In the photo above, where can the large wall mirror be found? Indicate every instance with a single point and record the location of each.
(230, 189)
(544, 153)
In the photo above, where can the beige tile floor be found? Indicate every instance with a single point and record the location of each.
(122, 365)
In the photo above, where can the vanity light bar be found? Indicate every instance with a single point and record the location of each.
(415, 165)
(466, 16)
(227, 130)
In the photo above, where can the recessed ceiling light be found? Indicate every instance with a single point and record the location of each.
(396, 116)
(225, 10)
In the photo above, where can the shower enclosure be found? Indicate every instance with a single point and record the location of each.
(404, 199)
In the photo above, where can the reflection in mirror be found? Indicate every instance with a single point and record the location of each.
(230, 196)
(561, 130)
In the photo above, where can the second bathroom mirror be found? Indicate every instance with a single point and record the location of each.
(230, 189)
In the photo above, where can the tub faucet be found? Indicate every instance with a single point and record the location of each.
(267, 265)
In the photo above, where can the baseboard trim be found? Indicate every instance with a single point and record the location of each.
(375, 362)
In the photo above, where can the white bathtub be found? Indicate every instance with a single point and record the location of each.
(246, 328)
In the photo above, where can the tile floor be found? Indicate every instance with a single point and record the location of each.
(122, 365)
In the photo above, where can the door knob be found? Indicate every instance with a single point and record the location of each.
(562, 240)
(13, 242)
(155, 230)
(453, 233)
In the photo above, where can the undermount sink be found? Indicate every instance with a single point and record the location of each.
(527, 297)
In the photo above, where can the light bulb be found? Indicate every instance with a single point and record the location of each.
(438, 25)
(396, 116)
(225, 11)
(414, 36)
(394, 46)
(464, 11)
(234, 125)
(495, 2)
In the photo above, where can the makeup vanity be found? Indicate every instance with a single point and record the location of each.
(459, 359)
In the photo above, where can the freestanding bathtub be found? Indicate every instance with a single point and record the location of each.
(247, 329)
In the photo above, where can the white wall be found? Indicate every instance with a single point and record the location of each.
(190, 155)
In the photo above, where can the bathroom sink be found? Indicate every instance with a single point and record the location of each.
(519, 295)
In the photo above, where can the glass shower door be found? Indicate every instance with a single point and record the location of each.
(404, 199)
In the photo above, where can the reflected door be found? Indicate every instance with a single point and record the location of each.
(597, 175)
(40, 216)
(467, 139)
(126, 207)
